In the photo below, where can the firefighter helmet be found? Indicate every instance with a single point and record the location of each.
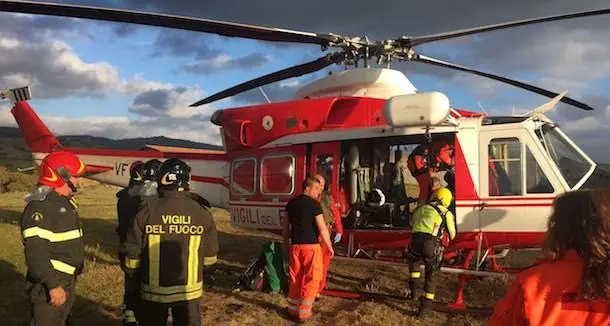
(150, 169)
(443, 195)
(57, 168)
(174, 174)
(135, 173)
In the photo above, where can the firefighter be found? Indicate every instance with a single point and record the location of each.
(429, 222)
(171, 239)
(301, 229)
(128, 204)
(332, 218)
(149, 174)
(52, 239)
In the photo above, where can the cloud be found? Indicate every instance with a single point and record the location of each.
(224, 62)
(170, 118)
(34, 54)
(45, 61)
(206, 58)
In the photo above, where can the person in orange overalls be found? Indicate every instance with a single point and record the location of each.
(301, 229)
(573, 286)
(332, 217)
(422, 169)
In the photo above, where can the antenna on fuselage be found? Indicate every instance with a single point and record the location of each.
(482, 108)
(265, 95)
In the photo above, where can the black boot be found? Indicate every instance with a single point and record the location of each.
(129, 318)
(425, 307)
(411, 285)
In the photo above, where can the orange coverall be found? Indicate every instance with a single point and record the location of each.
(325, 252)
(305, 270)
(541, 296)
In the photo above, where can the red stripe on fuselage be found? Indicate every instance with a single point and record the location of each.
(508, 205)
(218, 181)
(149, 154)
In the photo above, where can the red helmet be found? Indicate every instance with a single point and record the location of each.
(57, 168)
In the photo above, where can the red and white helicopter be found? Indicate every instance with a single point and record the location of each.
(507, 169)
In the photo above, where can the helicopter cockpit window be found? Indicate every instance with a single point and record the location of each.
(571, 163)
(504, 167)
(536, 180)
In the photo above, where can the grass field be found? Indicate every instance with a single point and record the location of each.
(99, 290)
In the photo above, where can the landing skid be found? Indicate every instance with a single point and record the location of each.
(468, 264)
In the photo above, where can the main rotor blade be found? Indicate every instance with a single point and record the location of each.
(538, 90)
(475, 30)
(164, 20)
(293, 71)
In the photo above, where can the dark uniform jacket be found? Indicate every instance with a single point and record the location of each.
(127, 207)
(52, 239)
(171, 240)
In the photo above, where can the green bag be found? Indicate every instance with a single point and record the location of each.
(277, 279)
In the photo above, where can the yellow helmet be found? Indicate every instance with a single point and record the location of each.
(443, 195)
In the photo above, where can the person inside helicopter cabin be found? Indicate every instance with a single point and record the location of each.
(572, 287)
(423, 164)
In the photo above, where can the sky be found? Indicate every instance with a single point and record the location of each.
(120, 81)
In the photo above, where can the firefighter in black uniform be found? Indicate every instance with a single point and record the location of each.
(52, 239)
(430, 221)
(148, 191)
(171, 240)
(127, 206)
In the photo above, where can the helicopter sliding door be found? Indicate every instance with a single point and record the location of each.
(517, 186)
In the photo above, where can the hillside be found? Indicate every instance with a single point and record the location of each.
(14, 152)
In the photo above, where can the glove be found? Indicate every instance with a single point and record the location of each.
(337, 238)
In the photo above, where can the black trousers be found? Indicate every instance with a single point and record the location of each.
(42, 312)
(427, 248)
(131, 294)
(184, 313)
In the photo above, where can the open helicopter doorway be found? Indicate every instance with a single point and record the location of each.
(375, 186)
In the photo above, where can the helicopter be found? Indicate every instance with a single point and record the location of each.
(354, 126)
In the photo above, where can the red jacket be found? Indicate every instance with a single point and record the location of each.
(542, 296)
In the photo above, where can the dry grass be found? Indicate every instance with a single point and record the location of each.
(99, 290)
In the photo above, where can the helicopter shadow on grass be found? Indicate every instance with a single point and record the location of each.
(13, 299)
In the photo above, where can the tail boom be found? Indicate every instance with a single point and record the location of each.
(210, 169)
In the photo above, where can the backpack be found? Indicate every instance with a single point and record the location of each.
(266, 272)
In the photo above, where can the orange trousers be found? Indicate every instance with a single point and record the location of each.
(305, 271)
(325, 262)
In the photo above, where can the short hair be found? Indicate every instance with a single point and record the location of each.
(319, 175)
(310, 181)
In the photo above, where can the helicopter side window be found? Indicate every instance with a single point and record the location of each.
(504, 167)
(277, 175)
(243, 178)
(536, 180)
